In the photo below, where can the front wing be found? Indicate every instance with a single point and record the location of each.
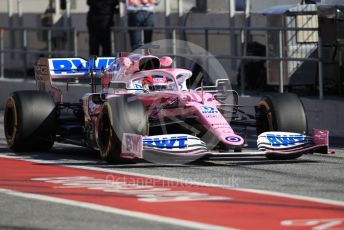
(183, 148)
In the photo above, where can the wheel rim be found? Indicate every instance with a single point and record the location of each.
(264, 106)
(10, 121)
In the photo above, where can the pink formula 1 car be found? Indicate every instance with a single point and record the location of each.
(144, 110)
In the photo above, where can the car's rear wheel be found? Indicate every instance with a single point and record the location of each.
(119, 115)
(30, 121)
(281, 112)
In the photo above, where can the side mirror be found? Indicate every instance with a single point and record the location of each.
(222, 84)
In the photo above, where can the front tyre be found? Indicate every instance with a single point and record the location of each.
(281, 112)
(109, 144)
(30, 121)
(119, 115)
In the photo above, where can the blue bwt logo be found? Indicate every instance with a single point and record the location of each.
(285, 140)
(79, 65)
(209, 110)
(166, 143)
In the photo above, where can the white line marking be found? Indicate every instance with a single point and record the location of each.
(117, 211)
(298, 197)
(319, 224)
(286, 195)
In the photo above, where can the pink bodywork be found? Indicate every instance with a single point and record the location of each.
(200, 104)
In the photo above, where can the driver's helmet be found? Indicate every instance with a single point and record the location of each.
(156, 83)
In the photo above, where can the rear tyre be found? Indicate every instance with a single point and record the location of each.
(281, 112)
(30, 121)
(119, 115)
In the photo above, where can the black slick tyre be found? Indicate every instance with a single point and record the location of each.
(281, 112)
(30, 121)
(119, 115)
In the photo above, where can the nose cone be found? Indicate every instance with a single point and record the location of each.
(232, 139)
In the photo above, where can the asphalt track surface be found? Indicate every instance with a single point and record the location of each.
(316, 176)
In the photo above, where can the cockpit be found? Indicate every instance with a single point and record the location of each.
(154, 81)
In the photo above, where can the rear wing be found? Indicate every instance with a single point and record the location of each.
(64, 68)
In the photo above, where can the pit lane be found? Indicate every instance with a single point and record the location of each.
(318, 176)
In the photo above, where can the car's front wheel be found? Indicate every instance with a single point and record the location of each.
(281, 112)
(119, 115)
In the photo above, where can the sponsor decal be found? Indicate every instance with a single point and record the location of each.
(212, 116)
(63, 66)
(137, 86)
(223, 128)
(179, 142)
(132, 145)
(282, 140)
(217, 125)
(285, 140)
(209, 110)
(233, 139)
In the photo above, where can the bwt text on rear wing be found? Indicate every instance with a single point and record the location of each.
(62, 68)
